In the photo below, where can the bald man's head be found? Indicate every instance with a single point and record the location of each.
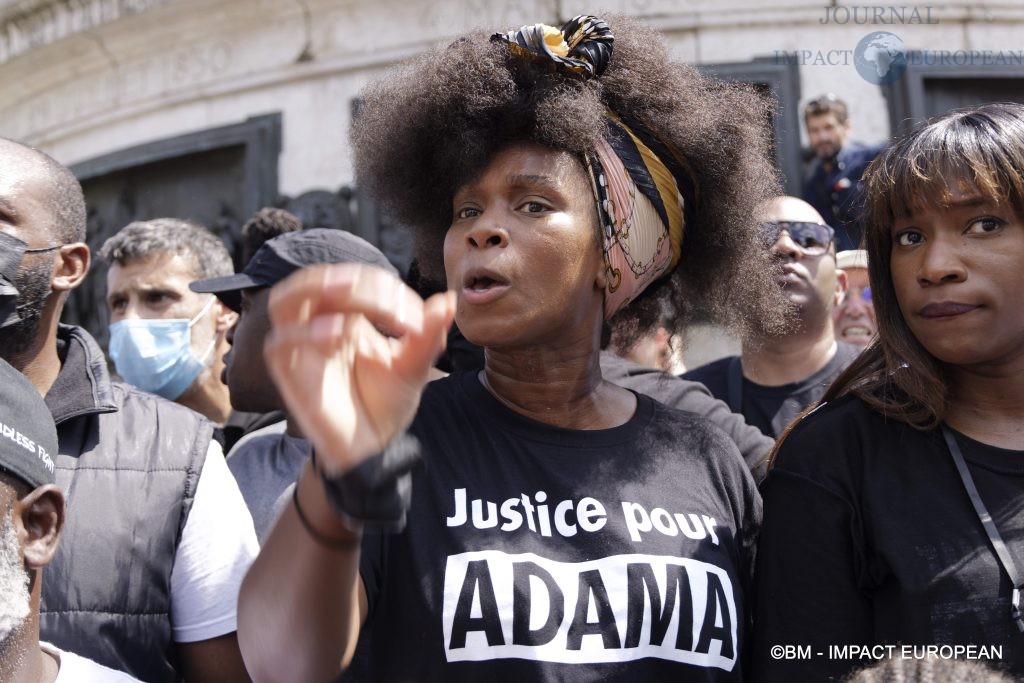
(802, 242)
(789, 209)
(63, 196)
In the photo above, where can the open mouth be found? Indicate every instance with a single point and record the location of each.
(482, 283)
(857, 333)
(482, 286)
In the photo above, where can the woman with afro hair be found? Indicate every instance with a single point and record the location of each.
(529, 521)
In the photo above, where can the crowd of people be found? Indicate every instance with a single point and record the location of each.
(311, 470)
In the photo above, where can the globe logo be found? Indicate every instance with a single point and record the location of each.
(881, 58)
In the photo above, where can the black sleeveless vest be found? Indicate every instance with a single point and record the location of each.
(129, 463)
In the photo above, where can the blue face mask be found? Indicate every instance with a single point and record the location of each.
(156, 355)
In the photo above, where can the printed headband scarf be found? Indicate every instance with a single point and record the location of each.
(644, 189)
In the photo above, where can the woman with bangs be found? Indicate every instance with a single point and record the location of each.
(894, 512)
(559, 527)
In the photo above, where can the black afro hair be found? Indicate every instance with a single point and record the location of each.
(428, 126)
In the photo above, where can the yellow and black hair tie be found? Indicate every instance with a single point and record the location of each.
(583, 46)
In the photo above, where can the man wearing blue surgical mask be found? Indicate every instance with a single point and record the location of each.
(164, 338)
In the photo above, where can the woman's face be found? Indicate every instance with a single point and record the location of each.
(522, 251)
(958, 272)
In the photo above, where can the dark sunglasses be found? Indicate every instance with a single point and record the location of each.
(812, 238)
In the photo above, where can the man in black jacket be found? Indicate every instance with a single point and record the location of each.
(147, 489)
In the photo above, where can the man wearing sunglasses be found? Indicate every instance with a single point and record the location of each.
(779, 375)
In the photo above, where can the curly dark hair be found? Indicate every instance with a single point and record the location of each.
(427, 127)
(265, 224)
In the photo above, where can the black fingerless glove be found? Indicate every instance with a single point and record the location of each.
(377, 492)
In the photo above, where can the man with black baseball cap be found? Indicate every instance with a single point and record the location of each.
(267, 462)
(281, 256)
(31, 519)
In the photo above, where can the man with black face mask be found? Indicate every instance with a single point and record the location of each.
(157, 537)
(24, 286)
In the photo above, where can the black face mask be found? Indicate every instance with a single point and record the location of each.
(12, 251)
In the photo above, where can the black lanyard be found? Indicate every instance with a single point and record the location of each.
(990, 527)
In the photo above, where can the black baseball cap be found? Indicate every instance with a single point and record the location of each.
(281, 256)
(28, 438)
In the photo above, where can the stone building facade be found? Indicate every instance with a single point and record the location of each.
(210, 109)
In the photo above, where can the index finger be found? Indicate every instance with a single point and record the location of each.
(330, 289)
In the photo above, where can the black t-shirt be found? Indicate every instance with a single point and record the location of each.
(870, 538)
(771, 409)
(534, 553)
(694, 397)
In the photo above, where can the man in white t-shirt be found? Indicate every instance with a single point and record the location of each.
(157, 537)
(31, 519)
